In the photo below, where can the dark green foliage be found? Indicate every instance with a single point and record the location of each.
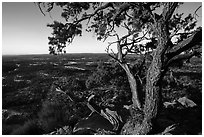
(72, 8)
(71, 83)
(107, 74)
(72, 86)
(61, 109)
(100, 77)
(7, 128)
(52, 115)
(8, 66)
(58, 39)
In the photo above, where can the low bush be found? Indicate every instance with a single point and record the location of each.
(63, 109)
(107, 74)
(31, 127)
(8, 128)
(52, 115)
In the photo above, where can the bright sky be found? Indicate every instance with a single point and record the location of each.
(24, 30)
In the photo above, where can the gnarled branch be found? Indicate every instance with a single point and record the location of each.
(194, 39)
(181, 57)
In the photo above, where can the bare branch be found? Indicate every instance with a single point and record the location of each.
(181, 57)
(132, 32)
(128, 14)
(195, 13)
(113, 56)
(39, 6)
(175, 33)
(135, 40)
(61, 91)
(107, 33)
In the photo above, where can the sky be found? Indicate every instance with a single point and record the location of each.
(24, 30)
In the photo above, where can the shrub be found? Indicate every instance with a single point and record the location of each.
(63, 109)
(31, 127)
(100, 77)
(56, 115)
(107, 75)
(8, 128)
(113, 74)
(70, 83)
(52, 115)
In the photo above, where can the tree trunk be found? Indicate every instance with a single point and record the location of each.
(152, 97)
(131, 79)
(133, 86)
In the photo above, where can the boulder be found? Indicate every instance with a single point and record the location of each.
(183, 102)
(186, 102)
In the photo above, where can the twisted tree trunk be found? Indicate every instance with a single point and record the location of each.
(152, 97)
(133, 86)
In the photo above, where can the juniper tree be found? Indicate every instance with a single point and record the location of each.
(167, 35)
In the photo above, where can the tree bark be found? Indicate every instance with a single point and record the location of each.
(153, 87)
(152, 97)
(133, 86)
(131, 79)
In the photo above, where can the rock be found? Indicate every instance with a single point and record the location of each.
(186, 102)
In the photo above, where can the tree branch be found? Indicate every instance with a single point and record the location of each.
(181, 57)
(39, 6)
(109, 4)
(135, 40)
(176, 33)
(121, 9)
(195, 13)
(61, 91)
(169, 10)
(194, 39)
(147, 7)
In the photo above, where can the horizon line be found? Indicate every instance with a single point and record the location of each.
(54, 55)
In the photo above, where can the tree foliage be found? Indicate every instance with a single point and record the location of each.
(136, 18)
